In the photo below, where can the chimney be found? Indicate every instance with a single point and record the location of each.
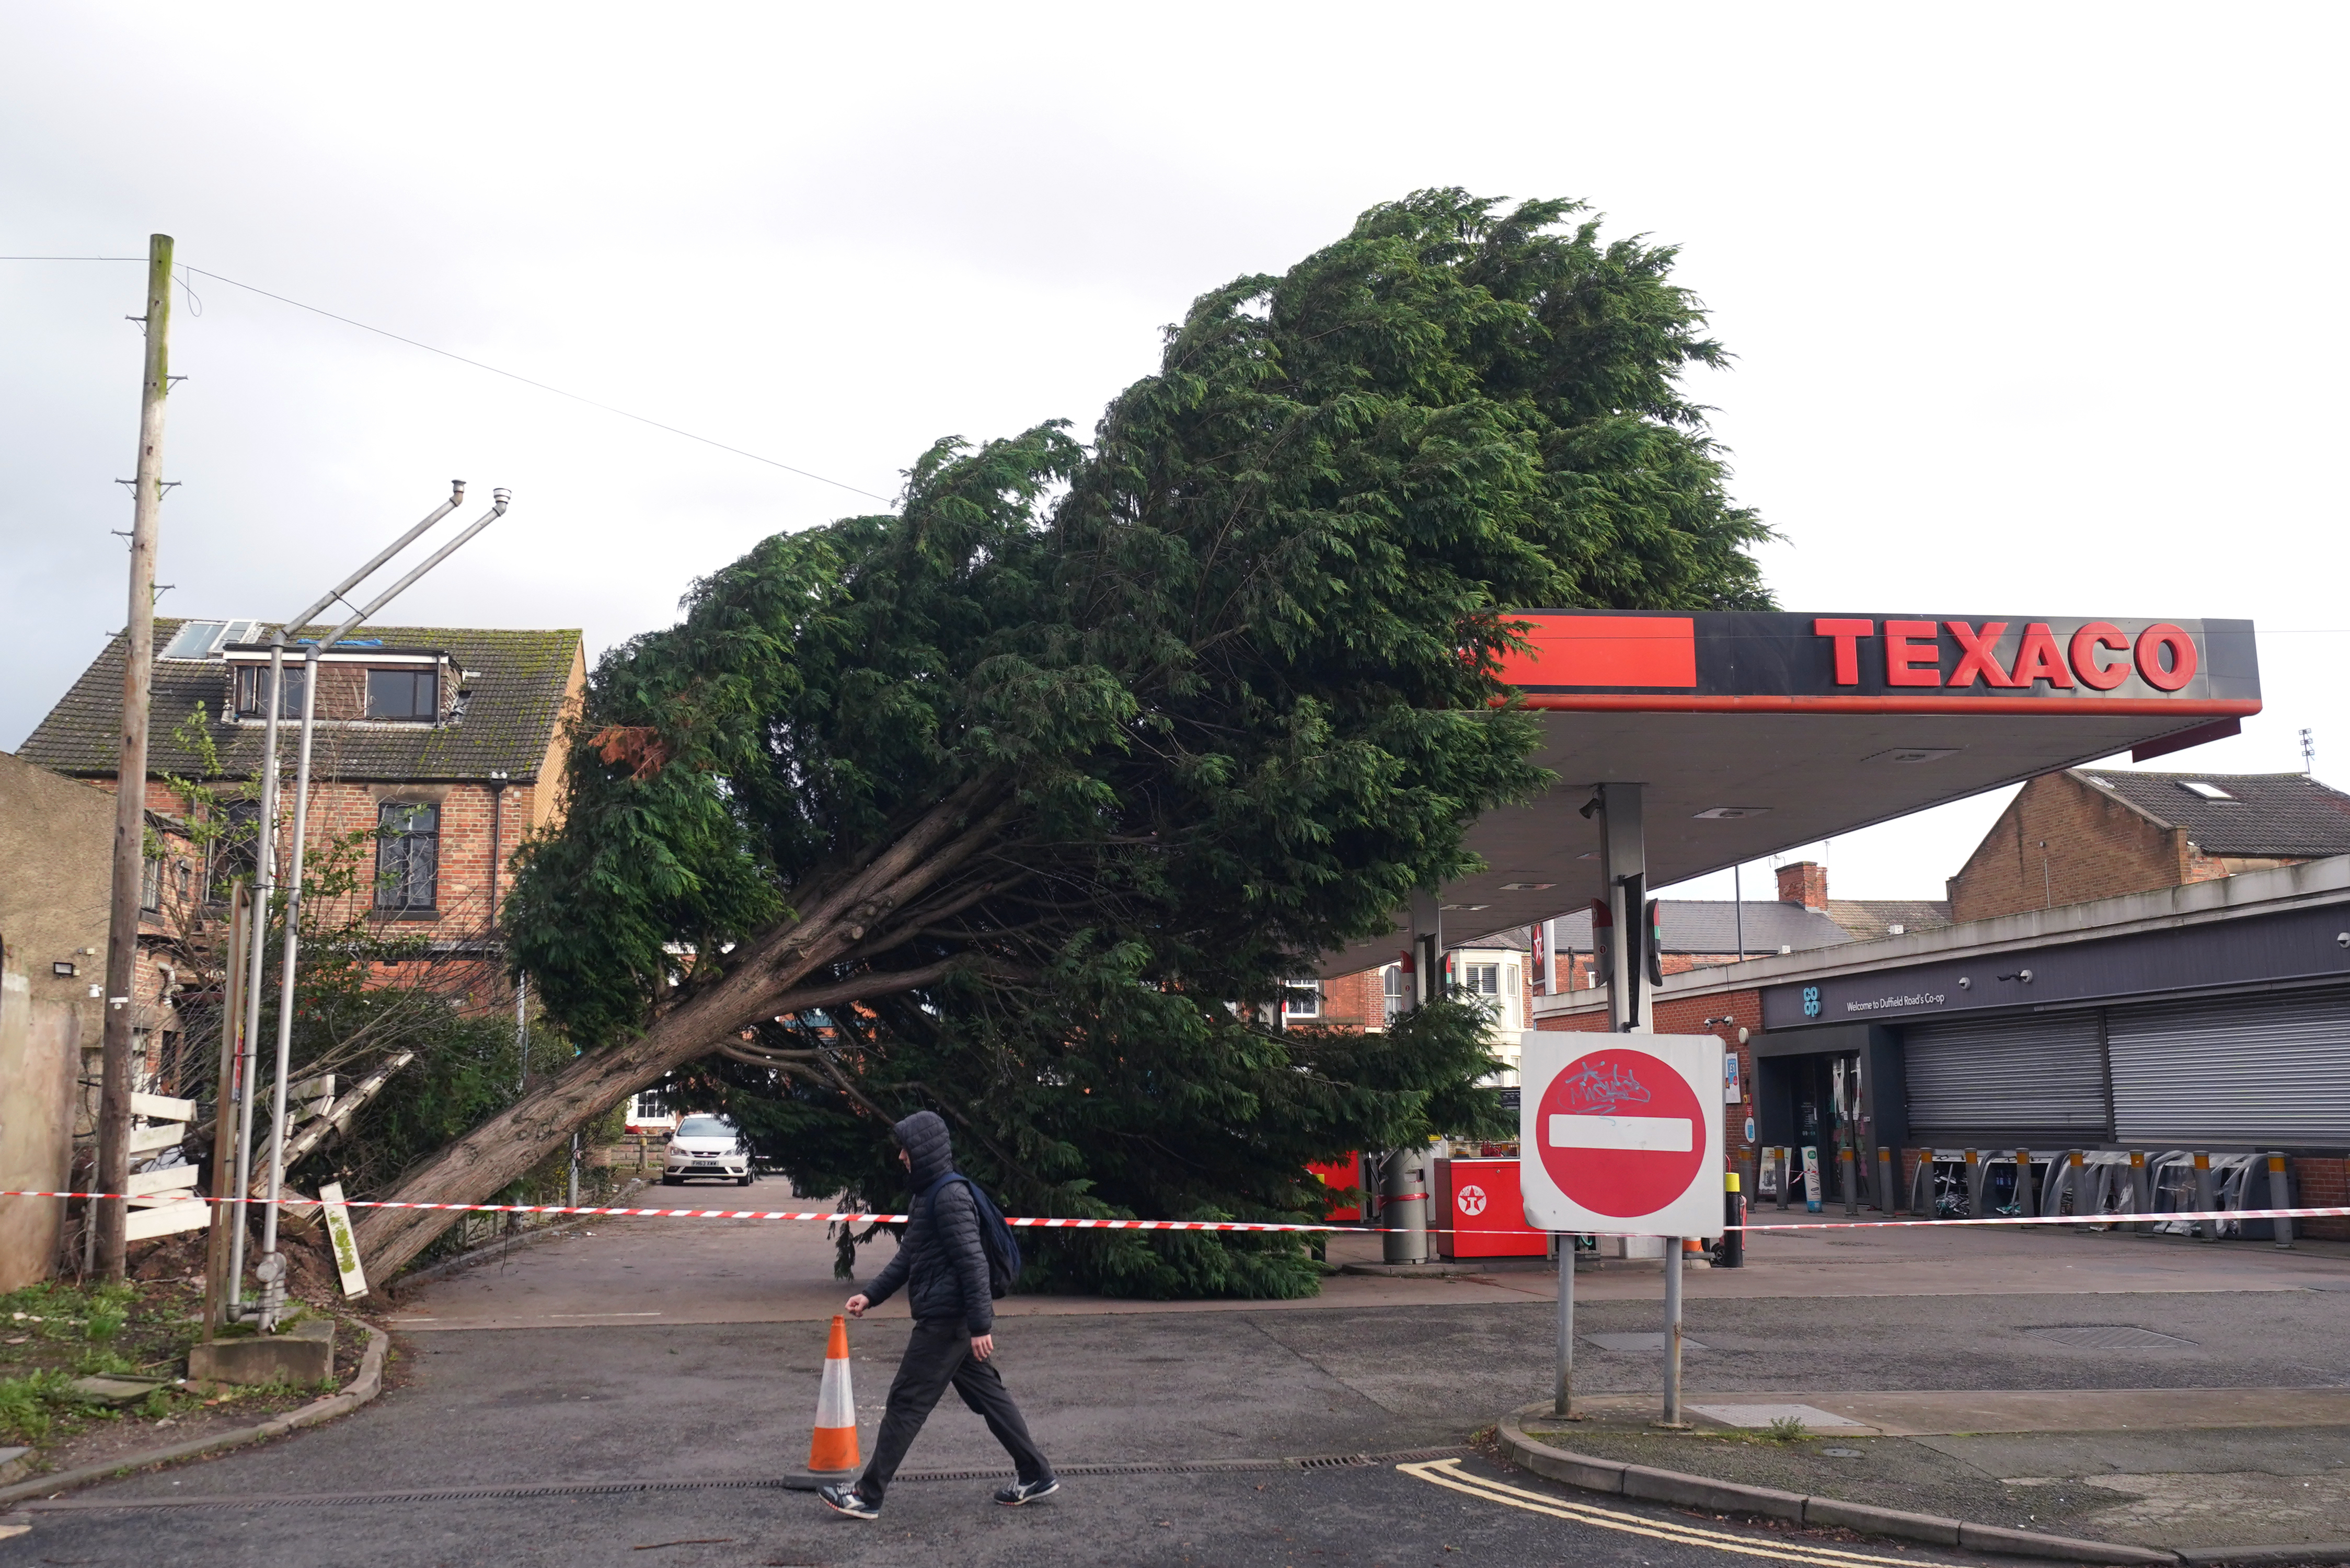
(1805, 883)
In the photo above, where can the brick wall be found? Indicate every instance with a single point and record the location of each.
(2321, 1183)
(338, 808)
(2095, 847)
(1357, 1001)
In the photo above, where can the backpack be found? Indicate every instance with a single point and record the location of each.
(995, 1236)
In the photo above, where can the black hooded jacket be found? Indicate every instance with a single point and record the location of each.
(942, 1265)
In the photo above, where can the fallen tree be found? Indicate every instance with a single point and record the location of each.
(1063, 767)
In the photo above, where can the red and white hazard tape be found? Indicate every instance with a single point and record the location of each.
(2163, 1218)
(827, 1214)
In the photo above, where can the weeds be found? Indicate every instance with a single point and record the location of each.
(1788, 1429)
(25, 1404)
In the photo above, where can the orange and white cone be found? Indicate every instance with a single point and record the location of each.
(834, 1446)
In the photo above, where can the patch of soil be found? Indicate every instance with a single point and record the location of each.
(54, 1332)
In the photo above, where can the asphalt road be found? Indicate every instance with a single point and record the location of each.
(1370, 1515)
(708, 1413)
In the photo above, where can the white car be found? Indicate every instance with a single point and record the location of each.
(707, 1146)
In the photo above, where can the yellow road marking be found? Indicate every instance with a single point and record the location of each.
(1447, 1473)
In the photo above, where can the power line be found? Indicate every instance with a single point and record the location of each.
(542, 386)
(494, 370)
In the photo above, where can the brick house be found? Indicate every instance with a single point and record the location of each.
(437, 751)
(1496, 968)
(2085, 834)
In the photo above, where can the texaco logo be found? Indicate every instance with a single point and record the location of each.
(1470, 1200)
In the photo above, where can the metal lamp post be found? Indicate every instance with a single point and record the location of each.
(271, 1268)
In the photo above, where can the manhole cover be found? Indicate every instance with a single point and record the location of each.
(2112, 1336)
(1843, 1453)
(1650, 1343)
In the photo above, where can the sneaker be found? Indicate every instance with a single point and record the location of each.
(841, 1498)
(1028, 1491)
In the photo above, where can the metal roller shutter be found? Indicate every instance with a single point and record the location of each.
(2039, 1074)
(2261, 1070)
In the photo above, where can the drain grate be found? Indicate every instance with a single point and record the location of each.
(2112, 1336)
(753, 1483)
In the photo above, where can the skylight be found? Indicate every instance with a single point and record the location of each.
(2207, 791)
(204, 638)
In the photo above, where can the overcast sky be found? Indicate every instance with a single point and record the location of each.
(2035, 307)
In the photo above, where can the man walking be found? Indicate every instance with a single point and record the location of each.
(943, 1263)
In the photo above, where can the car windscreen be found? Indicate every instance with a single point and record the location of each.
(705, 1126)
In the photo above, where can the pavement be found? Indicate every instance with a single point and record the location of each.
(639, 1394)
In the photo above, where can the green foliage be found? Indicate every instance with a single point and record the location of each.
(467, 1070)
(26, 1403)
(1222, 686)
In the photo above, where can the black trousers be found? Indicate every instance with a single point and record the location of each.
(938, 1355)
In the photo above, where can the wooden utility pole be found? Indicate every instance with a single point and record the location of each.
(130, 773)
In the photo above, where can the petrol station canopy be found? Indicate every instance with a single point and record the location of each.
(1751, 732)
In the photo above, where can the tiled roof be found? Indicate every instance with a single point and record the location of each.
(1870, 918)
(2283, 816)
(1519, 938)
(517, 684)
(1712, 927)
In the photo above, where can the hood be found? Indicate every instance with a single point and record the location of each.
(923, 1136)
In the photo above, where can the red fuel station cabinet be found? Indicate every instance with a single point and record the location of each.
(1342, 1174)
(1481, 1215)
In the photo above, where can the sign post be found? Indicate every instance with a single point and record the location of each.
(1621, 1135)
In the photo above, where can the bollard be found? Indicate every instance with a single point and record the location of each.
(1887, 1201)
(2076, 1173)
(1404, 1211)
(2141, 1188)
(1976, 1171)
(1733, 1210)
(1848, 1171)
(2026, 1200)
(2206, 1200)
(1781, 1170)
(2279, 1197)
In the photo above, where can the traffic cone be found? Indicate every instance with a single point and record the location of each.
(834, 1446)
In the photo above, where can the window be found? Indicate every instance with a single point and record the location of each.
(1301, 999)
(2207, 791)
(150, 886)
(253, 691)
(412, 695)
(1483, 979)
(407, 856)
(194, 640)
(229, 857)
(202, 638)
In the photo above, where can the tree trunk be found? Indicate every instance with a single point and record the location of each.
(851, 910)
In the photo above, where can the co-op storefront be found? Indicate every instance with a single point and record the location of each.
(2212, 1018)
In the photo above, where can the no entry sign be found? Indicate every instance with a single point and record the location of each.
(1621, 1134)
